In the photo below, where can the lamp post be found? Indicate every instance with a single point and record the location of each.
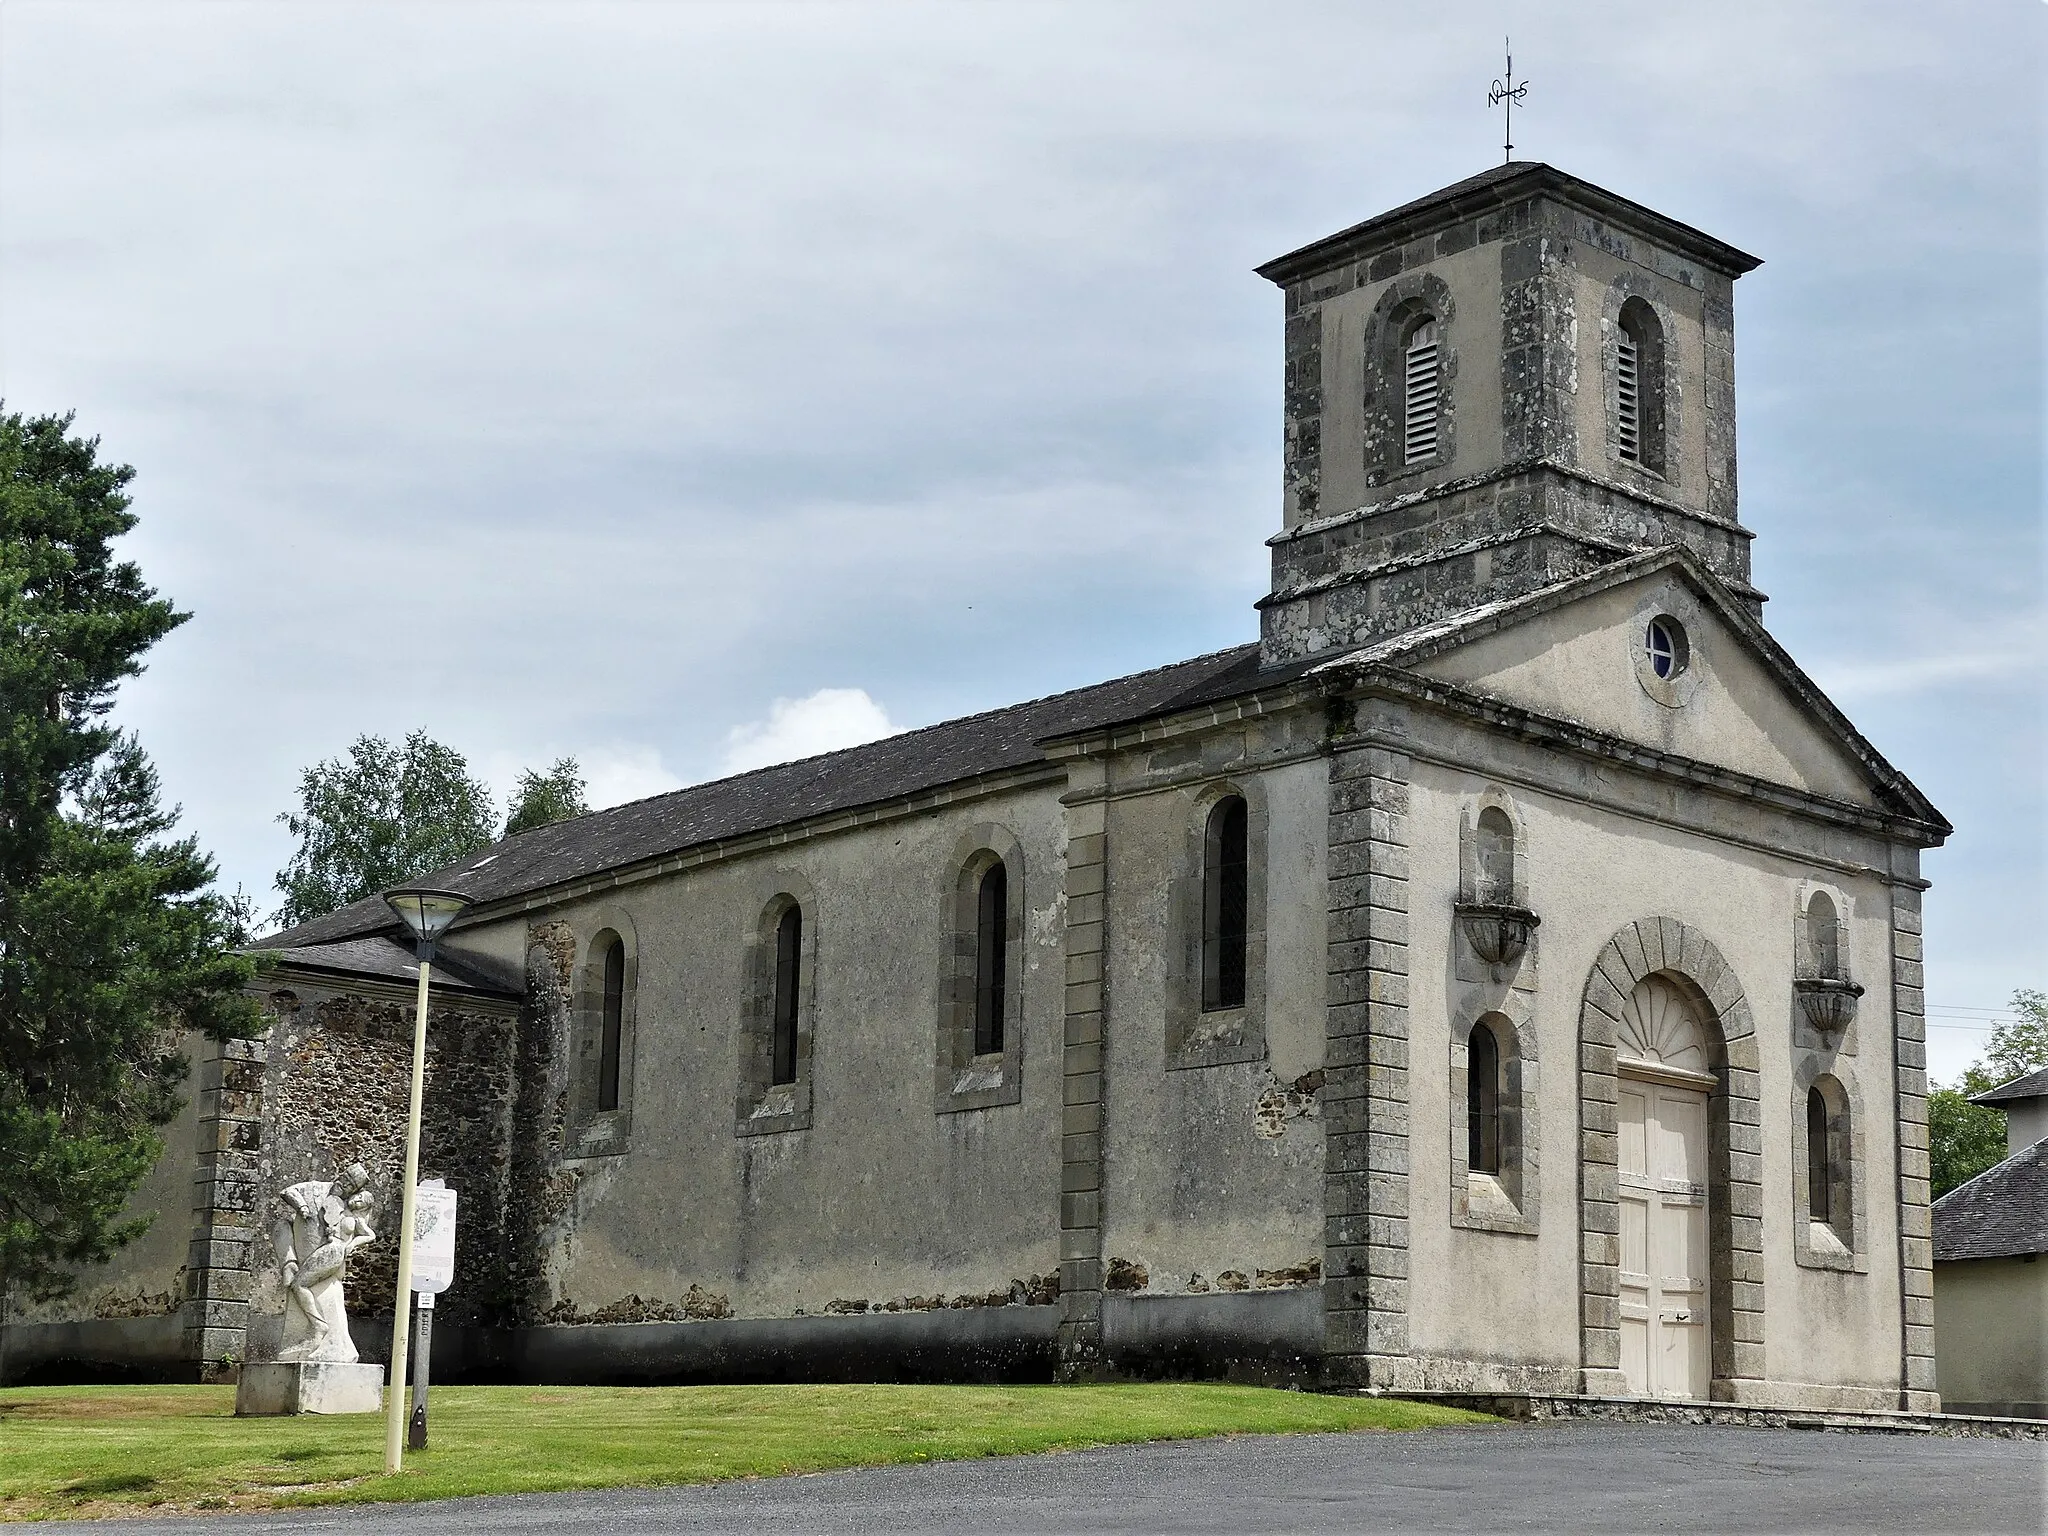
(427, 913)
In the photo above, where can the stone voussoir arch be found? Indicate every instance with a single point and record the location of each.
(1679, 953)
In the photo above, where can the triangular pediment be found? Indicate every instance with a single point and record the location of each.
(1737, 701)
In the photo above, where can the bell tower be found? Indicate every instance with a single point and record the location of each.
(1499, 386)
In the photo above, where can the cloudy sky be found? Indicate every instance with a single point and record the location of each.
(684, 386)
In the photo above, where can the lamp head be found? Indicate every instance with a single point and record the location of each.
(427, 912)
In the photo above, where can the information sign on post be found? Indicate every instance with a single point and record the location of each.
(433, 1238)
(433, 1271)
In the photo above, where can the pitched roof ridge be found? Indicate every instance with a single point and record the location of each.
(2001, 1093)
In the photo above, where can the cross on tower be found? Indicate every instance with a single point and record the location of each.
(1505, 90)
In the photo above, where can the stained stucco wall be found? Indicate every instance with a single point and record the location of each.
(1213, 1174)
(881, 1199)
(147, 1277)
(1590, 870)
(1473, 278)
(1580, 663)
(1991, 1336)
(1607, 264)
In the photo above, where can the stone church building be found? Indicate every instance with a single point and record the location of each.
(1502, 976)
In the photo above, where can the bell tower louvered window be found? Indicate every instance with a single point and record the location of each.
(1629, 404)
(1639, 387)
(1421, 395)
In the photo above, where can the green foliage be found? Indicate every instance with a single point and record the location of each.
(1964, 1139)
(2019, 1047)
(112, 941)
(542, 798)
(376, 819)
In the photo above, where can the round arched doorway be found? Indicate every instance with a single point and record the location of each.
(1662, 1089)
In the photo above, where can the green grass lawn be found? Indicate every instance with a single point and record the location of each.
(69, 1452)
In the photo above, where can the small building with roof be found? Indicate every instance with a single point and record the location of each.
(1990, 1284)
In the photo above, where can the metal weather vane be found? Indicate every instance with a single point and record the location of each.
(1506, 90)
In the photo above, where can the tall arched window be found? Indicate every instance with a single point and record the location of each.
(1820, 1205)
(789, 938)
(1482, 1100)
(1494, 847)
(991, 958)
(1226, 872)
(1639, 387)
(611, 1026)
(1823, 936)
(1421, 390)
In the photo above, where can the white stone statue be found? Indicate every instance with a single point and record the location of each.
(319, 1225)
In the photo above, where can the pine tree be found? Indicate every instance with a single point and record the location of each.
(113, 943)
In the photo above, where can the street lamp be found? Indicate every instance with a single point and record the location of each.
(427, 912)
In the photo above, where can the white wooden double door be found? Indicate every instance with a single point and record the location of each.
(1664, 1265)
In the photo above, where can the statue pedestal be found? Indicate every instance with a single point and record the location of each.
(311, 1386)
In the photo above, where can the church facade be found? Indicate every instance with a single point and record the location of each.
(1503, 976)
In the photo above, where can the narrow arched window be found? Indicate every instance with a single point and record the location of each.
(789, 940)
(1639, 387)
(1421, 390)
(1226, 872)
(1823, 936)
(1819, 1165)
(1495, 848)
(991, 958)
(611, 1026)
(1482, 1100)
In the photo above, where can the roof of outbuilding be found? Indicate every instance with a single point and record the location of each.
(1493, 188)
(2032, 1086)
(952, 752)
(382, 958)
(2001, 1213)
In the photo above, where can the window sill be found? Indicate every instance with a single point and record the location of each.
(1487, 1208)
(985, 1083)
(783, 1107)
(1218, 1037)
(1398, 474)
(1823, 1249)
(605, 1133)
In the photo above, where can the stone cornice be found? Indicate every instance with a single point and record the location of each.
(1569, 736)
(1494, 190)
(1493, 476)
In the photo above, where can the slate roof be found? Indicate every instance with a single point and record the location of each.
(2033, 1086)
(1497, 187)
(949, 753)
(389, 959)
(2000, 1213)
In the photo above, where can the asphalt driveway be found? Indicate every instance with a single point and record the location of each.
(1623, 1477)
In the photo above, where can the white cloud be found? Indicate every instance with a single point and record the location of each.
(621, 773)
(823, 721)
(1991, 652)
